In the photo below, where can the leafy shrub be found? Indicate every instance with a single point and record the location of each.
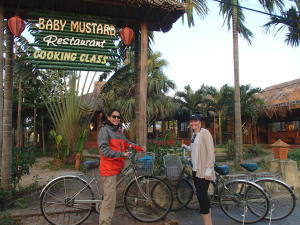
(23, 158)
(295, 155)
(4, 197)
(159, 154)
(263, 164)
(253, 151)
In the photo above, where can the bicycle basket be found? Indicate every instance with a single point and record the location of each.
(144, 163)
(173, 166)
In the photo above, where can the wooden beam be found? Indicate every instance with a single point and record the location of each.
(141, 89)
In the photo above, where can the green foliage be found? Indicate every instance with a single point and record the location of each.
(119, 92)
(295, 155)
(81, 141)
(70, 110)
(253, 151)
(58, 142)
(23, 158)
(93, 151)
(21, 203)
(159, 154)
(230, 148)
(7, 219)
(262, 164)
(4, 197)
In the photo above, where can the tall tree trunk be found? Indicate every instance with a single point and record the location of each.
(237, 98)
(43, 136)
(34, 124)
(7, 115)
(154, 129)
(163, 128)
(19, 116)
(1, 76)
(220, 128)
(255, 134)
(141, 94)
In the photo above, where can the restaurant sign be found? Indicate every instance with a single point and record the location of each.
(73, 44)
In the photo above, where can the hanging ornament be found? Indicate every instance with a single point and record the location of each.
(16, 25)
(127, 35)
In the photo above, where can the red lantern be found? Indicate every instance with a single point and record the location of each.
(16, 25)
(127, 35)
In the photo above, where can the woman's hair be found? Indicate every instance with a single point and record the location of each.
(113, 110)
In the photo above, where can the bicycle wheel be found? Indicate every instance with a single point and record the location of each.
(282, 198)
(239, 196)
(183, 194)
(194, 203)
(148, 199)
(59, 201)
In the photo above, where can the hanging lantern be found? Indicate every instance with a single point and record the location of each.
(127, 35)
(16, 25)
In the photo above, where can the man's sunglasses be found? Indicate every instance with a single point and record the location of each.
(116, 117)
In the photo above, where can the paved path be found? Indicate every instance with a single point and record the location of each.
(184, 217)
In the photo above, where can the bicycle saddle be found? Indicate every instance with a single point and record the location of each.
(223, 170)
(249, 166)
(91, 164)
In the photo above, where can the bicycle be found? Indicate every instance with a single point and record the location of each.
(181, 187)
(282, 196)
(241, 200)
(70, 199)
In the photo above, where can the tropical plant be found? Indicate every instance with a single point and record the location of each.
(191, 101)
(57, 139)
(70, 110)
(7, 114)
(233, 15)
(119, 92)
(24, 72)
(220, 101)
(197, 6)
(289, 19)
(23, 159)
(251, 104)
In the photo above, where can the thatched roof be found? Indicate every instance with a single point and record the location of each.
(158, 14)
(281, 98)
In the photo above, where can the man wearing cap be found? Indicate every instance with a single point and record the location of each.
(203, 160)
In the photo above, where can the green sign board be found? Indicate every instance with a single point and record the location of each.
(73, 43)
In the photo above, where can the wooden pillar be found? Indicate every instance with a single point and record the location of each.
(7, 114)
(141, 89)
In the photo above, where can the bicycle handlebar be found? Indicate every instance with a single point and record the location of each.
(132, 153)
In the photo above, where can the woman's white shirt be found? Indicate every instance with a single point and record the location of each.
(195, 152)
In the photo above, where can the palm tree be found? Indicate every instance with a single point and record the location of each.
(289, 19)
(190, 100)
(7, 114)
(235, 18)
(119, 92)
(198, 6)
(251, 107)
(220, 102)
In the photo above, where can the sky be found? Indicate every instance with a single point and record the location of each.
(203, 54)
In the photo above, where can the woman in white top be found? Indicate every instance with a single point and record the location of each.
(203, 160)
